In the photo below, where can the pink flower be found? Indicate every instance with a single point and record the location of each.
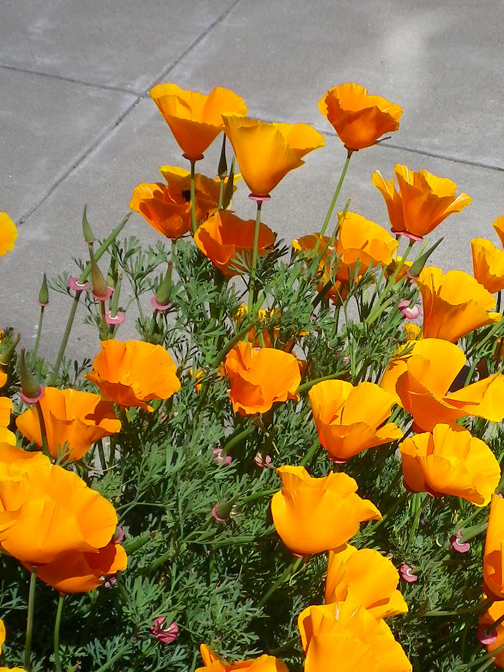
(486, 638)
(262, 460)
(409, 313)
(220, 459)
(407, 573)
(165, 633)
(457, 544)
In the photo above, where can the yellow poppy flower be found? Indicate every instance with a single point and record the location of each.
(8, 233)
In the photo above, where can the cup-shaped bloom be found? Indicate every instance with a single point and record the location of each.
(362, 244)
(493, 558)
(193, 117)
(313, 515)
(422, 378)
(228, 242)
(134, 372)
(488, 264)
(498, 225)
(266, 152)
(421, 202)
(259, 377)
(8, 233)
(352, 419)
(493, 614)
(454, 304)
(6, 436)
(46, 511)
(450, 461)
(71, 417)
(358, 118)
(265, 663)
(365, 577)
(78, 572)
(344, 636)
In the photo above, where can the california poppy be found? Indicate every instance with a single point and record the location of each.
(195, 118)
(422, 379)
(8, 233)
(498, 225)
(212, 663)
(228, 241)
(134, 372)
(312, 515)
(494, 613)
(351, 419)
(316, 245)
(259, 377)
(344, 636)
(46, 511)
(266, 152)
(5, 412)
(79, 572)
(449, 461)
(358, 118)
(365, 577)
(422, 201)
(2, 634)
(71, 417)
(488, 264)
(454, 304)
(493, 557)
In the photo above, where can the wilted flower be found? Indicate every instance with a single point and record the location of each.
(351, 419)
(449, 461)
(365, 577)
(266, 152)
(313, 515)
(345, 637)
(488, 264)
(134, 372)
(259, 377)
(262, 664)
(71, 417)
(163, 631)
(454, 304)
(422, 379)
(421, 203)
(407, 573)
(228, 242)
(358, 118)
(195, 118)
(8, 233)
(220, 458)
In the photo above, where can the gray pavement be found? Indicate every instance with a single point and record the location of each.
(77, 126)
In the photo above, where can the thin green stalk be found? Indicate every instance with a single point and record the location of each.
(57, 624)
(416, 519)
(289, 571)
(336, 193)
(39, 331)
(103, 322)
(311, 383)
(43, 430)
(236, 439)
(474, 609)
(29, 621)
(310, 453)
(193, 205)
(115, 658)
(254, 258)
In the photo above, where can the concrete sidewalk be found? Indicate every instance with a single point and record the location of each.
(77, 125)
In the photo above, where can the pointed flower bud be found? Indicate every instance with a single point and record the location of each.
(31, 390)
(86, 228)
(112, 274)
(7, 347)
(43, 297)
(101, 291)
(417, 266)
(223, 510)
(161, 300)
(228, 188)
(222, 169)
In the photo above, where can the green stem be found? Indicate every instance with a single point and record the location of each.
(291, 569)
(336, 193)
(254, 258)
(39, 331)
(117, 656)
(43, 430)
(64, 340)
(416, 519)
(476, 609)
(311, 452)
(29, 620)
(193, 205)
(57, 624)
(311, 383)
(236, 439)
(103, 322)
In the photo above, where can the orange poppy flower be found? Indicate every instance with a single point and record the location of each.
(358, 118)
(345, 637)
(211, 663)
(134, 372)
(498, 225)
(493, 558)
(365, 577)
(266, 152)
(6, 436)
(488, 264)
(454, 304)
(71, 417)
(228, 241)
(422, 201)
(2, 634)
(351, 419)
(422, 380)
(362, 244)
(8, 233)
(78, 572)
(259, 377)
(328, 265)
(194, 118)
(493, 614)
(46, 511)
(449, 461)
(313, 515)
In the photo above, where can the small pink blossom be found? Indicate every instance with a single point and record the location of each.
(262, 460)
(486, 638)
(410, 313)
(220, 459)
(165, 633)
(109, 581)
(457, 544)
(118, 535)
(407, 573)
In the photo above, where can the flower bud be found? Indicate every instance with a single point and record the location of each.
(161, 301)
(31, 390)
(223, 510)
(228, 188)
(43, 297)
(7, 347)
(86, 229)
(100, 289)
(419, 263)
(222, 169)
